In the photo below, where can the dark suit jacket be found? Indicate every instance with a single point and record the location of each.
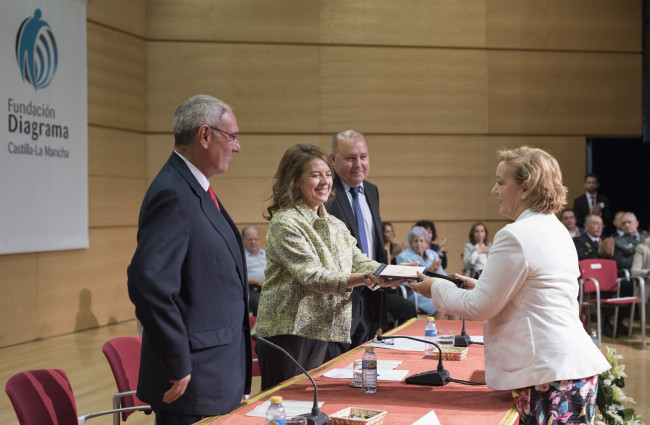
(188, 282)
(586, 247)
(340, 208)
(581, 209)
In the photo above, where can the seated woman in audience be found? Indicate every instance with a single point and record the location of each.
(641, 261)
(419, 252)
(476, 251)
(392, 248)
(313, 263)
(439, 248)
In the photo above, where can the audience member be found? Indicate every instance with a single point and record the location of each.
(590, 245)
(527, 296)
(418, 251)
(476, 251)
(625, 246)
(356, 204)
(255, 265)
(591, 202)
(313, 263)
(568, 218)
(618, 227)
(187, 278)
(392, 248)
(440, 246)
(641, 261)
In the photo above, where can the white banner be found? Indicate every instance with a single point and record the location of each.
(44, 131)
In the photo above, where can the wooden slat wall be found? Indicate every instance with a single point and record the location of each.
(437, 86)
(51, 293)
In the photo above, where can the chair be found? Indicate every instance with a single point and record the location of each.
(123, 355)
(600, 275)
(44, 397)
(256, 364)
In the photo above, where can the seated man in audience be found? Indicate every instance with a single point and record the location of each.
(590, 244)
(255, 265)
(568, 218)
(625, 245)
(624, 249)
(618, 229)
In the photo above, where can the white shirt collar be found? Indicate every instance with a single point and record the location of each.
(200, 177)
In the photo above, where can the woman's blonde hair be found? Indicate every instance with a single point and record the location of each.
(541, 173)
(285, 192)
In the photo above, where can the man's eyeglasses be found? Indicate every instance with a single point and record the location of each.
(232, 137)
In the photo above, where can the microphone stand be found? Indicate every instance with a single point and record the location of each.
(317, 417)
(435, 378)
(462, 340)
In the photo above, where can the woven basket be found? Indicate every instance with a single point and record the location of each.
(342, 417)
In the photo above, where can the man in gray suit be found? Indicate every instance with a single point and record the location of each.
(187, 278)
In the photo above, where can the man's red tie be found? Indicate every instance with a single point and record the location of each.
(214, 197)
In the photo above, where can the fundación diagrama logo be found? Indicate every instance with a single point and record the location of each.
(36, 51)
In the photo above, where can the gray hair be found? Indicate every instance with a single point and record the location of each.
(345, 135)
(246, 229)
(419, 231)
(193, 113)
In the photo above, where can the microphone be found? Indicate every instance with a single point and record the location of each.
(317, 417)
(462, 340)
(435, 378)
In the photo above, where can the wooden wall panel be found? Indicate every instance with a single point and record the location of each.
(126, 15)
(116, 153)
(116, 79)
(289, 21)
(85, 288)
(564, 93)
(19, 286)
(392, 90)
(391, 23)
(272, 88)
(114, 201)
(259, 156)
(564, 25)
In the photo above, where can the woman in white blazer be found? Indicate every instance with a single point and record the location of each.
(527, 294)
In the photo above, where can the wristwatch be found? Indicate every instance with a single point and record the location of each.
(366, 279)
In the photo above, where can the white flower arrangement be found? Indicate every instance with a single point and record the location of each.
(611, 397)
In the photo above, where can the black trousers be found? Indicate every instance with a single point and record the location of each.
(275, 367)
(170, 418)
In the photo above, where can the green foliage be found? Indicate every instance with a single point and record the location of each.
(610, 397)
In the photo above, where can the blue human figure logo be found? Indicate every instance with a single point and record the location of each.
(36, 51)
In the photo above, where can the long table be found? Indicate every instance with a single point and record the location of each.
(454, 404)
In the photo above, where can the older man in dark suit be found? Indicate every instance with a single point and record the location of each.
(187, 278)
(357, 204)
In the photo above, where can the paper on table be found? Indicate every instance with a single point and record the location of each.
(382, 374)
(476, 338)
(428, 419)
(381, 364)
(401, 344)
(292, 407)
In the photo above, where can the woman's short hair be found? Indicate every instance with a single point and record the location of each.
(418, 231)
(428, 224)
(541, 173)
(285, 193)
(471, 232)
(385, 224)
(193, 113)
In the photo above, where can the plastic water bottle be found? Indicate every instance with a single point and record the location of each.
(369, 370)
(430, 334)
(594, 337)
(275, 414)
